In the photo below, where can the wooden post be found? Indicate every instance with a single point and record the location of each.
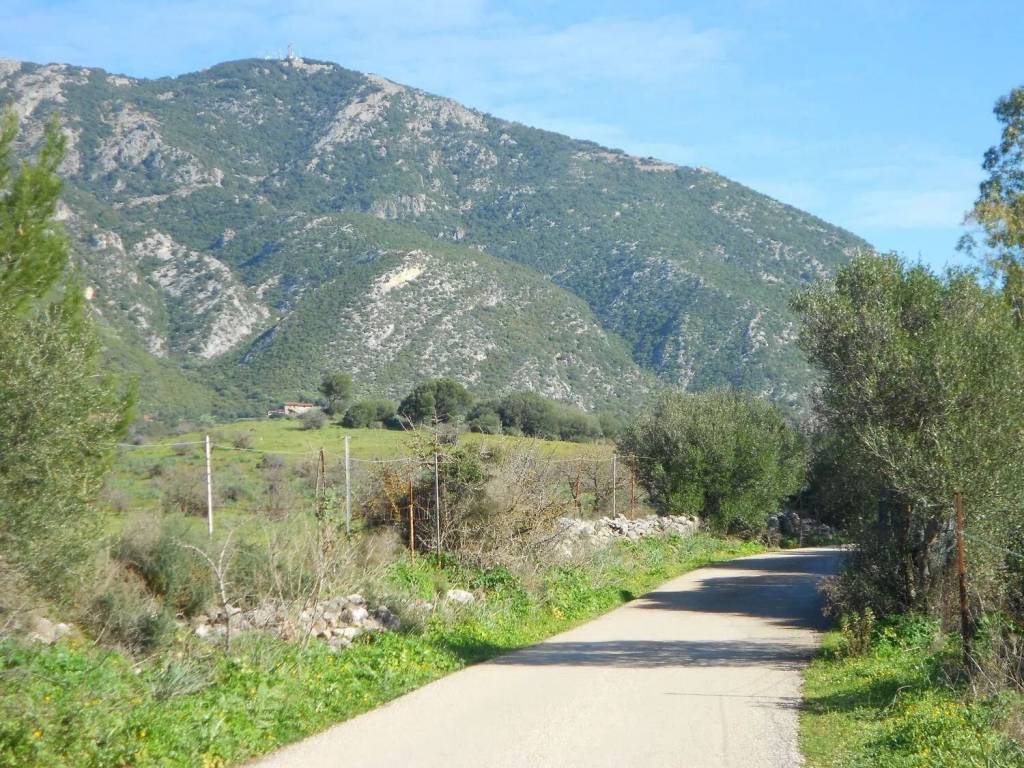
(615, 479)
(961, 572)
(209, 488)
(577, 497)
(412, 520)
(348, 490)
(632, 493)
(437, 506)
(321, 484)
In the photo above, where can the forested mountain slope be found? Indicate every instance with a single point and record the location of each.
(249, 226)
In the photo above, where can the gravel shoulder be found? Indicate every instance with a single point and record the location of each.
(703, 672)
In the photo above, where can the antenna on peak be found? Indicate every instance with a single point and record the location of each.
(291, 53)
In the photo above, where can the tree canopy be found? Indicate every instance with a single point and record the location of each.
(60, 413)
(722, 455)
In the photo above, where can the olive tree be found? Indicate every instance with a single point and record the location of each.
(923, 381)
(722, 455)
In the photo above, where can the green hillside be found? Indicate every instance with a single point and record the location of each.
(251, 225)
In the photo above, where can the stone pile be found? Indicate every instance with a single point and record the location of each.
(336, 620)
(598, 533)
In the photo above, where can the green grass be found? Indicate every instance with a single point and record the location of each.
(134, 484)
(894, 708)
(74, 704)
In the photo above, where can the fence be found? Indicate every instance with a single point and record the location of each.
(212, 476)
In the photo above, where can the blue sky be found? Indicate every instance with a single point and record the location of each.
(873, 115)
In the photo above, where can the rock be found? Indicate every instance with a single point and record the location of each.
(42, 630)
(262, 616)
(347, 633)
(331, 618)
(356, 600)
(387, 618)
(354, 614)
(203, 631)
(460, 596)
(790, 523)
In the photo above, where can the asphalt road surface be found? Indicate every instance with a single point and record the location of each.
(704, 672)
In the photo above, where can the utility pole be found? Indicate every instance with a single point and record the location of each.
(209, 488)
(961, 572)
(348, 489)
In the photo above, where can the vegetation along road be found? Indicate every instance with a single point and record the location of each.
(703, 672)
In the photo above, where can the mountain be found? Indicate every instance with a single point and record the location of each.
(247, 227)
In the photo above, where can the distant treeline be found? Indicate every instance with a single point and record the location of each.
(446, 401)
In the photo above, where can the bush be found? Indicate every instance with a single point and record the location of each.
(722, 455)
(485, 419)
(436, 401)
(125, 614)
(313, 419)
(159, 555)
(858, 630)
(183, 490)
(369, 413)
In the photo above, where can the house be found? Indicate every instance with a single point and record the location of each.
(290, 409)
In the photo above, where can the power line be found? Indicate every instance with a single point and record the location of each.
(259, 450)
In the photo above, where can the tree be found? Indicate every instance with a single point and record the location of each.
(1000, 205)
(923, 380)
(722, 455)
(33, 248)
(436, 401)
(60, 413)
(368, 413)
(530, 414)
(337, 388)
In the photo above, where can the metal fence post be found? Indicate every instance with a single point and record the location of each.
(348, 490)
(209, 488)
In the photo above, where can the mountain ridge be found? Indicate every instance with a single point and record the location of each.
(202, 206)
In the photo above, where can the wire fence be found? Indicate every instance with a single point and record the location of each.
(212, 477)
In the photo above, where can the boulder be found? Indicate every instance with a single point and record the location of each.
(354, 614)
(387, 619)
(460, 596)
(42, 630)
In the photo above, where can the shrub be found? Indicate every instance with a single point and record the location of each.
(436, 400)
(722, 455)
(369, 413)
(313, 419)
(183, 490)
(159, 555)
(124, 613)
(858, 630)
(485, 419)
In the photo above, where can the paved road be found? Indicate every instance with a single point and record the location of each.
(702, 673)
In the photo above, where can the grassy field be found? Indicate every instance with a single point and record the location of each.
(143, 475)
(76, 704)
(894, 707)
